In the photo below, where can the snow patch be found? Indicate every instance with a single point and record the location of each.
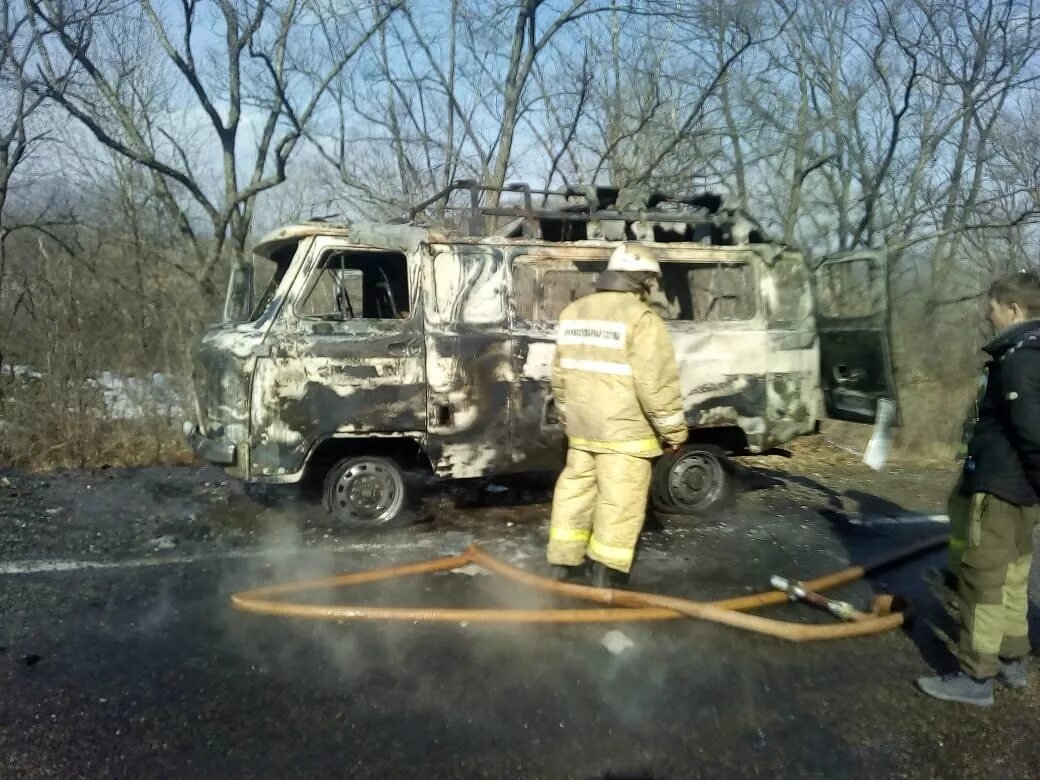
(470, 570)
(617, 642)
(126, 397)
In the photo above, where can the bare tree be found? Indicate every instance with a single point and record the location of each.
(648, 86)
(21, 136)
(984, 53)
(484, 92)
(246, 101)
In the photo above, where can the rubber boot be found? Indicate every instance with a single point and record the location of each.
(1013, 674)
(562, 573)
(605, 577)
(959, 687)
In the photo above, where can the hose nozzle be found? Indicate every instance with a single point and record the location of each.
(796, 592)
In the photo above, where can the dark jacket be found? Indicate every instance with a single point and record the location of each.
(1004, 451)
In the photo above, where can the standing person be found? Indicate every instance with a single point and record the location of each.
(958, 510)
(616, 388)
(1001, 480)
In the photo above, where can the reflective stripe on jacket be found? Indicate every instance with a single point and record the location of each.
(614, 377)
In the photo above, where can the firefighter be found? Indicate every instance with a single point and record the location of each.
(616, 388)
(1001, 492)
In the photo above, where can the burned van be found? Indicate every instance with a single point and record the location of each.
(359, 353)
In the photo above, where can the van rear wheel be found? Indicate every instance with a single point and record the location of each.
(695, 480)
(366, 492)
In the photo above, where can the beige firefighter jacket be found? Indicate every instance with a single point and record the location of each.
(614, 377)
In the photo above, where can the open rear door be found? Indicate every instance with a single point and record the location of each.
(852, 320)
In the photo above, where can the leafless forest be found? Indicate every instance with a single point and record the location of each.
(144, 144)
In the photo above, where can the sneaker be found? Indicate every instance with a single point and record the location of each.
(959, 687)
(1013, 674)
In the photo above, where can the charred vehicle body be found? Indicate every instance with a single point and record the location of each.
(371, 350)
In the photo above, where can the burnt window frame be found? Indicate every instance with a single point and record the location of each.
(314, 272)
(467, 256)
(830, 308)
(537, 263)
(753, 287)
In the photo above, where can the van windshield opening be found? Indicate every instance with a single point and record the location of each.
(268, 272)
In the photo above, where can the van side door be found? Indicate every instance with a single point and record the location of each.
(468, 350)
(543, 285)
(852, 312)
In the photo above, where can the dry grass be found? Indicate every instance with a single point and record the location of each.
(840, 443)
(111, 443)
(932, 414)
(43, 426)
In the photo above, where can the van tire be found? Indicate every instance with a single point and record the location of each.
(367, 492)
(694, 481)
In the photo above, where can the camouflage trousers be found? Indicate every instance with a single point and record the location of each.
(993, 576)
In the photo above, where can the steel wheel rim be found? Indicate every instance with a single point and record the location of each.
(368, 492)
(696, 479)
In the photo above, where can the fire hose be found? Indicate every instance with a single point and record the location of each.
(620, 605)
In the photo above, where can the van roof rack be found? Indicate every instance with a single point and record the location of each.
(612, 213)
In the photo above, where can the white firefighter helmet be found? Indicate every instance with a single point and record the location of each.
(633, 257)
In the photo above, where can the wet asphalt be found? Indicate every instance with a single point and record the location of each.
(120, 655)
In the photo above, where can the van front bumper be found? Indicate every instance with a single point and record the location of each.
(215, 451)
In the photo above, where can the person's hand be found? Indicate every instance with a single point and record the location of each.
(673, 449)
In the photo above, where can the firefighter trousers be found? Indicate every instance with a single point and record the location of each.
(993, 584)
(598, 510)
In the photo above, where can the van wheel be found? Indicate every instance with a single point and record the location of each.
(366, 492)
(695, 480)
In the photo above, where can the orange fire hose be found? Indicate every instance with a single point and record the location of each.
(622, 605)
(258, 600)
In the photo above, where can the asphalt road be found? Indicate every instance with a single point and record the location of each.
(120, 655)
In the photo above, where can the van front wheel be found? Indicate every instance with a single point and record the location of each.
(366, 492)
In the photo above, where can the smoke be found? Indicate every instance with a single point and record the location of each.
(289, 646)
(293, 550)
(444, 672)
(160, 612)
